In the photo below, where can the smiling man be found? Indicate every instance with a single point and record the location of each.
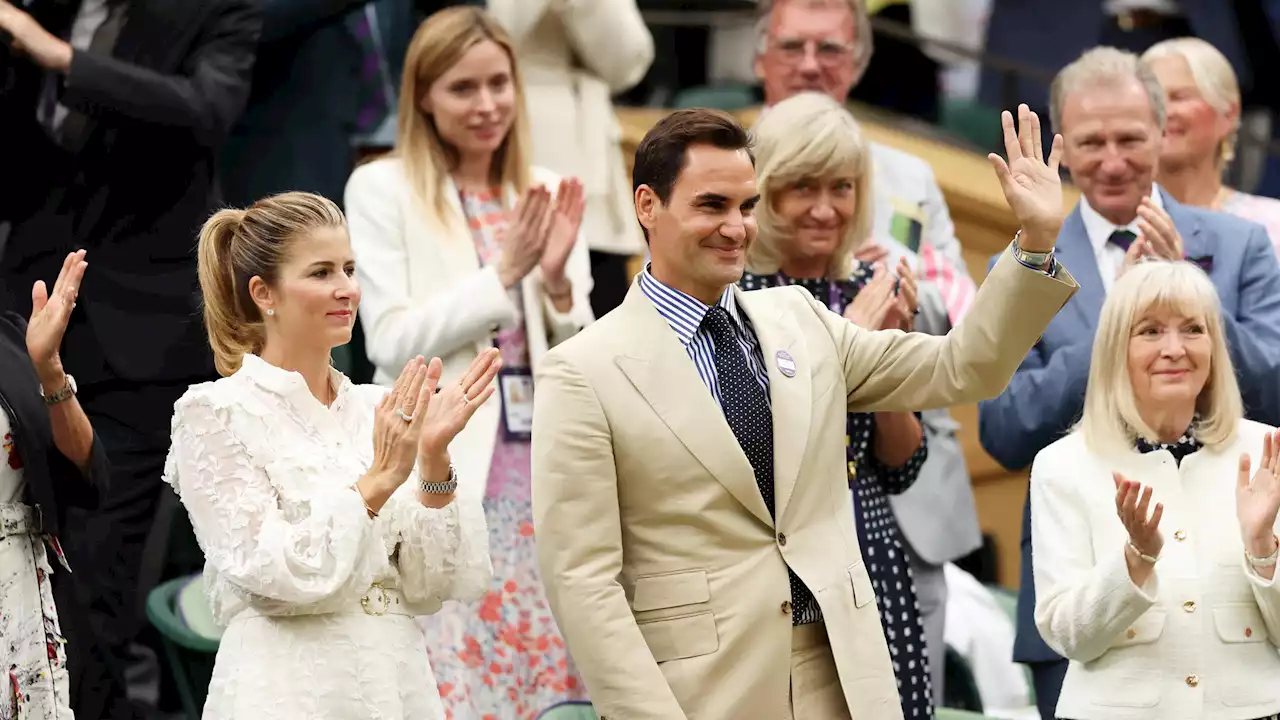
(1109, 108)
(690, 495)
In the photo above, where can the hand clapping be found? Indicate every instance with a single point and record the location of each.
(1133, 502)
(1031, 185)
(1258, 502)
(50, 314)
(542, 233)
(878, 307)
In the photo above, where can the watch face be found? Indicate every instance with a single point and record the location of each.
(71, 382)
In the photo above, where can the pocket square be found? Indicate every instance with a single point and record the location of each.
(1204, 262)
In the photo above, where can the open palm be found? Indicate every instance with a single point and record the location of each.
(564, 222)
(50, 312)
(1258, 502)
(1031, 184)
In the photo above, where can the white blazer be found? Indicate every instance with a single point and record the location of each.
(574, 57)
(424, 292)
(1197, 641)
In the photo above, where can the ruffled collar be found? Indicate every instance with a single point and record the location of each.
(288, 383)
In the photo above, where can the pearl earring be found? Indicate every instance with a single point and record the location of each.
(270, 312)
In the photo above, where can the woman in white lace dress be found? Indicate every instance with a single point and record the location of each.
(325, 509)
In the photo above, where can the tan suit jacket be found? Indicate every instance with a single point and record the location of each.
(662, 566)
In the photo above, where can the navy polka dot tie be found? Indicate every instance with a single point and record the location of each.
(746, 407)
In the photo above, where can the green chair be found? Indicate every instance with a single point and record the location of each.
(189, 650)
(960, 687)
(570, 710)
(1008, 600)
(716, 97)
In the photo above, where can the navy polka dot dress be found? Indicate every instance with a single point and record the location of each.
(882, 547)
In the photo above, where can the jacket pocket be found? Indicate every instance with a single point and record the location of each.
(680, 637)
(670, 590)
(1239, 623)
(863, 592)
(1145, 630)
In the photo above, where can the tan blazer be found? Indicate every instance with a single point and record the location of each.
(423, 292)
(574, 57)
(662, 565)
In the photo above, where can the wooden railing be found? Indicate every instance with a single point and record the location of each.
(984, 226)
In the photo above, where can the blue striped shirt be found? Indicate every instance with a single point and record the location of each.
(684, 313)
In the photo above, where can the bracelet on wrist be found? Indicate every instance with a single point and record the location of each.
(1269, 560)
(1145, 557)
(447, 487)
(367, 508)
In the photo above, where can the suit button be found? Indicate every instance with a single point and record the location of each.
(1192, 680)
(786, 607)
(1248, 632)
(782, 539)
(1180, 535)
(1189, 606)
(1131, 633)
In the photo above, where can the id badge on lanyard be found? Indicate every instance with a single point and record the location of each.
(516, 388)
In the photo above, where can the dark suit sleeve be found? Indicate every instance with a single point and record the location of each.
(81, 488)
(206, 96)
(1044, 397)
(1253, 334)
(284, 18)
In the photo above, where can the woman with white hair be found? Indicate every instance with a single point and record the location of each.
(1158, 630)
(814, 172)
(1203, 107)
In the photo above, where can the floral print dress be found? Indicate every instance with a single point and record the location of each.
(33, 658)
(878, 534)
(503, 658)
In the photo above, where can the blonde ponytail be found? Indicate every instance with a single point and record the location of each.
(238, 245)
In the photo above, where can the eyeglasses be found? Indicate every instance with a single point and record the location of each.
(827, 52)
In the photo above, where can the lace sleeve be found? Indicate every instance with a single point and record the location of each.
(443, 553)
(242, 528)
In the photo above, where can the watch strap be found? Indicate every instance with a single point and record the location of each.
(61, 394)
(441, 488)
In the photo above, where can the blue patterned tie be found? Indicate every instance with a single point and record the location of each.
(746, 407)
(375, 100)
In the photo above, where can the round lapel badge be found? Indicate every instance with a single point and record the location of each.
(786, 364)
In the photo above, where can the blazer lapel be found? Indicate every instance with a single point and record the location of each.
(789, 396)
(1076, 252)
(660, 369)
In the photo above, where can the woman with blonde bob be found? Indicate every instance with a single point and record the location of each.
(462, 246)
(326, 510)
(1202, 104)
(813, 169)
(1155, 629)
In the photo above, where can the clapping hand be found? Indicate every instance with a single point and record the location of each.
(873, 302)
(565, 221)
(1159, 236)
(1031, 185)
(445, 413)
(1133, 502)
(50, 314)
(902, 312)
(526, 236)
(1258, 502)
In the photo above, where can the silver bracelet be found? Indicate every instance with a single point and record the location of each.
(1268, 561)
(1144, 556)
(445, 488)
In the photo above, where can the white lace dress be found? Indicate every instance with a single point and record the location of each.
(318, 600)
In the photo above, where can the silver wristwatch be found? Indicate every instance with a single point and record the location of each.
(444, 488)
(61, 394)
(1032, 259)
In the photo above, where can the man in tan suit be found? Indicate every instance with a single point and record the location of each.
(690, 496)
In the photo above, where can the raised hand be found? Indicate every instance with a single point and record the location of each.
(564, 221)
(397, 424)
(445, 413)
(1258, 502)
(525, 237)
(50, 314)
(1159, 235)
(1133, 502)
(1031, 185)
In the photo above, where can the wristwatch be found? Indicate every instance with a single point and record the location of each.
(1040, 261)
(444, 488)
(61, 394)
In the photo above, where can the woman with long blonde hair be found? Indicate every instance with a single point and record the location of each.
(462, 247)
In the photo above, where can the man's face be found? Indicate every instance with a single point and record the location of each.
(1112, 146)
(698, 240)
(808, 48)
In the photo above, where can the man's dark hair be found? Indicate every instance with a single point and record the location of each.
(661, 154)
